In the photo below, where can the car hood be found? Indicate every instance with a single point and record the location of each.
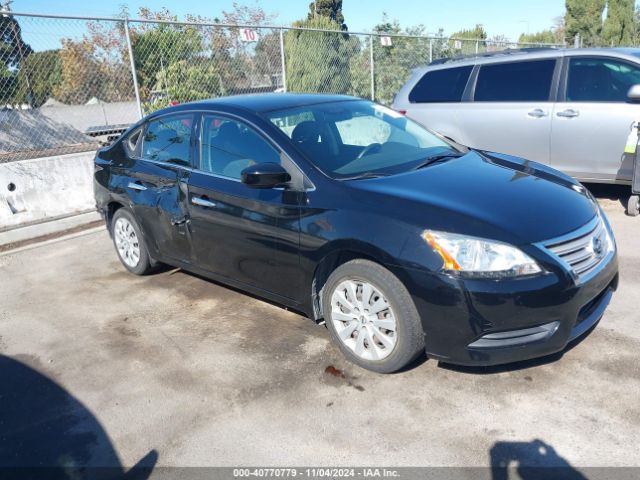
(488, 195)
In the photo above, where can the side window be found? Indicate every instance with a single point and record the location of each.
(133, 140)
(227, 147)
(168, 139)
(528, 81)
(438, 86)
(600, 80)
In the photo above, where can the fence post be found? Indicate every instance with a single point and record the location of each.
(430, 50)
(373, 85)
(282, 61)
(133, 67)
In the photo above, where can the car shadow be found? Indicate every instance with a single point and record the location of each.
(535, 460)
(616, 193)
(47, 433)
(521, 365)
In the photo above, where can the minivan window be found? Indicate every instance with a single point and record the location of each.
(600, 80)
(515, 81)
(438, 86)
(168, 139)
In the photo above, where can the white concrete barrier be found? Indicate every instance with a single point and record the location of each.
(36, 190)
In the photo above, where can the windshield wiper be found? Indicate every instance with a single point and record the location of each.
(438, 157)
(367, 175)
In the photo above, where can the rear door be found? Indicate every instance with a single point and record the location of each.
(157, 184)
(247, 235)
(593, 118)
(434, 99)
(511, 108)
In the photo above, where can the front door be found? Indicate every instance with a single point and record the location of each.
(247, 235)
(590, 126)
(157, 184)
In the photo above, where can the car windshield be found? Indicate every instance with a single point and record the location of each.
(359, 139)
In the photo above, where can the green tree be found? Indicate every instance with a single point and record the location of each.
(458, 45)
(393, 63)
(584, 18)
(43, 70)
(319, 61)
(544, 36)
(619, 26)
(13, 52)
(331, 9)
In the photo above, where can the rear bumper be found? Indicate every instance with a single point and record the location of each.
(480, 322)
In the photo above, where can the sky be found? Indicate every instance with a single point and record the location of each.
(499, 17)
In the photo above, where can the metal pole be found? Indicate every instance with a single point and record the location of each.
(133, 67)
(373, 85)
(476, 47)
(430, 50)
(282, 62)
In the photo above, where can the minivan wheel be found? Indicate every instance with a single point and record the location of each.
(633, 205)
(372, 317)
(129, 243)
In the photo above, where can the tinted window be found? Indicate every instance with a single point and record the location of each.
(515, 82)
(441, 86)
(600, 80)
(168, 139)
(227, 147)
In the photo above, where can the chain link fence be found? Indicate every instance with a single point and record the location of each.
(66, 83)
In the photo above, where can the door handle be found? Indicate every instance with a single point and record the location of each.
(537, 113)
(136, 186)
(203, 202)
(569, 113)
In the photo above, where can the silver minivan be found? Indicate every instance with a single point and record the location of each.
(572, 109)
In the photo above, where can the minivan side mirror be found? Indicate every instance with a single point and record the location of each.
(633, 95)
(265, 175)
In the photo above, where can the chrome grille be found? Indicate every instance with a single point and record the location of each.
(583, 250)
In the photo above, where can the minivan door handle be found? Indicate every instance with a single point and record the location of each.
(136, 186)
(537, 113)
(203, 202)
(568, 113)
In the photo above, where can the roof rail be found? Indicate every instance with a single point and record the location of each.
(507, 51)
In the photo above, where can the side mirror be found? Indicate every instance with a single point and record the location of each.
(265, 175)
(633, 95)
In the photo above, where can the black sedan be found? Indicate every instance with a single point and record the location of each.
(353, 214)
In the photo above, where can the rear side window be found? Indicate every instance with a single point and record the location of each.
(515, 82)
(438, 86)
(168, 139)
(600, 80)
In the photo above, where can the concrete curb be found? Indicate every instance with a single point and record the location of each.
(30, 232)
(61, 238)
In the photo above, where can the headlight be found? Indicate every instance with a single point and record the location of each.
(477, 257)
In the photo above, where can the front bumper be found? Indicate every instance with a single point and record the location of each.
(483, 322)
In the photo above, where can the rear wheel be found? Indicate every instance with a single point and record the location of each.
(130, 246)
(372, 317)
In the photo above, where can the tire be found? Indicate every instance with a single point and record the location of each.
(633, 205)
(398, 337)
(127, 239)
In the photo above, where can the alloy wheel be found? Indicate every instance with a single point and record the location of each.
(127, 242)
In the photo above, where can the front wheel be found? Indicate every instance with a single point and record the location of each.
(372, 317)
(130, 246)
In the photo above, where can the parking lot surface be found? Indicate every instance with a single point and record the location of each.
(102, 367)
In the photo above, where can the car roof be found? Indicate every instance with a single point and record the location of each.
(259, 102)
(513, 55)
